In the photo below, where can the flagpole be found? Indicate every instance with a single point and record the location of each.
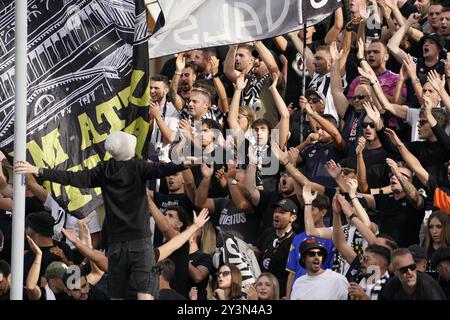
(20, 122)
(303, 80)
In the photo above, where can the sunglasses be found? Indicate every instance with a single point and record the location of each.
(314, 253)
(370, 124)
(360, 97)
(422, 122)
(314, 100)
(223, 274)
(411, 267)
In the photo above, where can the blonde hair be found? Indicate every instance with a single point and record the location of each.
(247, 112)
(275, 294)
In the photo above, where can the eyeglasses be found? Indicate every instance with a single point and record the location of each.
(314, 100)
(223, 274)
(370, 124)
(314, 253)
(422, 122)
(360, 97)
(411, 267)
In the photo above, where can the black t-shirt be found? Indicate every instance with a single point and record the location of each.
(267, 200)
(399, 219)
(426, 289)
(199, 258)
(377, 173)
(60, 251)
(163, 201)
(169, 294)
(353, 128)
(276, 252)
(180, 278)
(233, 221)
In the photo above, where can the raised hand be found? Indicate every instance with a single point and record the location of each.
(293, 153)
(368, 73)
(283, 156)
(70, 235)
(345, 205)
(308, 196)
(394, 166)
(353, 186)
(361, 47)
(201, 218)
(184, 126)
(153, 110)
(273, 86)
(334, 170)
(207, 170)
(193, 293)
(337, 209)
(361, 145)
(447, 65)
(428, 104)
(180, 62)
(391, 3)
(411, 67)
(336, 55)
(436, 81)
(214, 65)
(25, 167)
(305, 106)
(251, 292)
(393, 136)
(221, 177)
(34, 247)
(413, 18)
(241, 82)
(373, 114)
(312, 138)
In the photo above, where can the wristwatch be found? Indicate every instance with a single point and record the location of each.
(233, 182)
(416, 80)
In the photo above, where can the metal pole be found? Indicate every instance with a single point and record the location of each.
(303, 80)
(20, 123)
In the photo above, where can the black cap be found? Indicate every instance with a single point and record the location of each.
(41, 222)
(441, 254)
(417, 252)
(287, 205)
(440, 41)
(309, 244)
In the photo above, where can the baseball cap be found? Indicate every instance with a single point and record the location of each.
(41, 222)
(287, 205)
(55, 270)
(310, 92)
(417, 252)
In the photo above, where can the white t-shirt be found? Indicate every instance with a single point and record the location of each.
(171, 117)
(67, 221)
(329, 285)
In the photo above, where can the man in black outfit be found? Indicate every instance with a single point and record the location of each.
(166, 269)
(408, 283)
(123, 182)
(276, 242)
(441, 260)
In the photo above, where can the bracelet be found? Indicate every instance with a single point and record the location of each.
(448, 77)
(416, 80)
(353, 198)
(178, 73)
(308, 204)
(373, 83)
(215, 75)
(353, 215)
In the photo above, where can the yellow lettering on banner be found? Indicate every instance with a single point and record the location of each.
(139, 128)
(143, 101)
(107, 109)
(87, 126)
(124, 95)
(76, 198)
(51, 153)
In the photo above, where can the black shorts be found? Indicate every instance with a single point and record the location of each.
(131, 261)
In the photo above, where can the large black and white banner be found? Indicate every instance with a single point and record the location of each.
(237, 252)
(197, 24)
(87, 75)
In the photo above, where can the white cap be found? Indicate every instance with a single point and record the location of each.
(121, 145)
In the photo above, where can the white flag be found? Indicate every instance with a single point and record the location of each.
(198, 24)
